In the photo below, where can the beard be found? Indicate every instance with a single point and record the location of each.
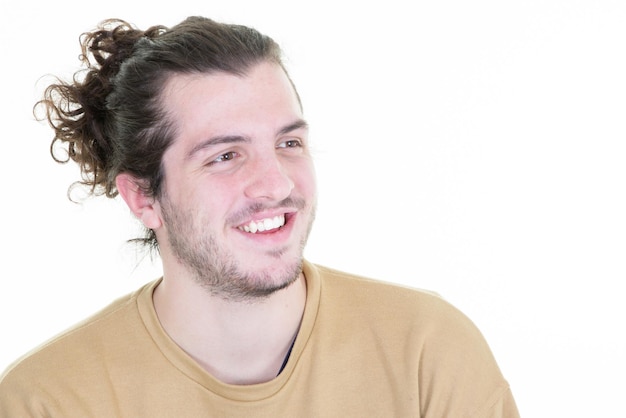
(215, 268)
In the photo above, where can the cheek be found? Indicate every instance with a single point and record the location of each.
(216, 202)
(306, 179)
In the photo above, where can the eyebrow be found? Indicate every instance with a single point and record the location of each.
(299, 124)
(216, 140)
(234, 139)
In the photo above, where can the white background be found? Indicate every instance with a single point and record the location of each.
(472, 148)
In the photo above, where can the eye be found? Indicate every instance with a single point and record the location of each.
(227, 156)
(291, 143)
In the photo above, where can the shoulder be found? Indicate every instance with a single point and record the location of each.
(382, 298)
(78, 345)
(414, 316)
(419, 331)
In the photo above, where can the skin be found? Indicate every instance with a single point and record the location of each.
(230, 298)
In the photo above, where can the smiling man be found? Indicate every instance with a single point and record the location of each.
(201, 131)
(244, 140)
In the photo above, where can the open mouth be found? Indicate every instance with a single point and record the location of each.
(263, 225)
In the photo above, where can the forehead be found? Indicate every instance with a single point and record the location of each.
(223, 101)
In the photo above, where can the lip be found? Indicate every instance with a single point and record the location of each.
(259, 216)
(274, 236)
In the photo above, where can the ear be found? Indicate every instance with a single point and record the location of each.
(143, 206)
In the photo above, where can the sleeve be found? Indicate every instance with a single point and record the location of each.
(18, 397)
(459, 376)
(500, 405)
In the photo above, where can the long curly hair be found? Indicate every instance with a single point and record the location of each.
(109, 119)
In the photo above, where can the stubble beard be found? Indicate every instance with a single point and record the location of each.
(216, 269)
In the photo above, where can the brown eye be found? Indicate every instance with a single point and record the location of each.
(227, 156)
(292, 143)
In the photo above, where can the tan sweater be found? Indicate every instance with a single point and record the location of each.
(365, 349)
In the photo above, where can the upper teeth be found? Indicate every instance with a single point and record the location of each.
(264, 224)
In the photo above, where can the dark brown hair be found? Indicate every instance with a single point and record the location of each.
(109, 118)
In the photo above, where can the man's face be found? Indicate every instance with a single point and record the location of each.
(239, 191)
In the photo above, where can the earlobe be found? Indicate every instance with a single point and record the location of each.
(142, 205)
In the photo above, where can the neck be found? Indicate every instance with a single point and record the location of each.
(237, 342)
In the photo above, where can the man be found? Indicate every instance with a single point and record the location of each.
(201, 131)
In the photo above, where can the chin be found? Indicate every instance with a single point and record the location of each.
(278, 270)
(258, 283)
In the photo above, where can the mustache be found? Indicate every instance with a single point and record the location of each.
(248, 212)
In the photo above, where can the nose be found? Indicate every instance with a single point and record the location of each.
(268, 179)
